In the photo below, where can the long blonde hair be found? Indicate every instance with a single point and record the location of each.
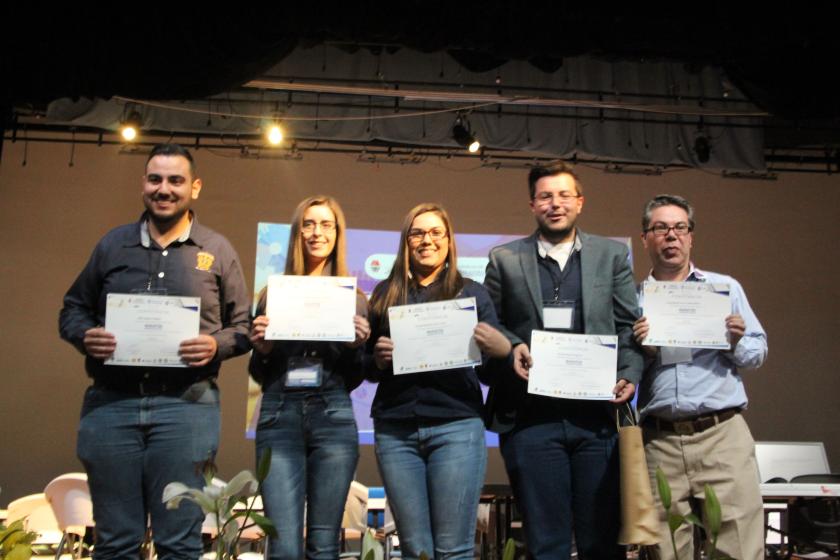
(295, 258)
(394, 290)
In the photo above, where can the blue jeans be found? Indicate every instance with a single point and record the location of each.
(433, 473)
(564, 474)
(132, 447)
(314, 450)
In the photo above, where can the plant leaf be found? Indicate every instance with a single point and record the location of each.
(265, 524)
(174, 489)
(238, 483)
(20, 552)
(510, 550)
(664, 488)
(674, 521)
(264, 464)
(693, 519)
(711, 509)
(175, 492)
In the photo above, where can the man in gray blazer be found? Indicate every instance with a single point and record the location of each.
(561, 454)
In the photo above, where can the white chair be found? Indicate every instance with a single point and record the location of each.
(354, 521)
(69, 497)
(37, 516)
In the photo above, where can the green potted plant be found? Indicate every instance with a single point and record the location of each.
(221, 501)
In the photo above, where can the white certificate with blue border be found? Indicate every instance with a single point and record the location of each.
(434, 336)
(573, 366)
(311, 308)
(687, 314)
(149, 328)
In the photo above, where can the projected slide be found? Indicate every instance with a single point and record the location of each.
(370, 255)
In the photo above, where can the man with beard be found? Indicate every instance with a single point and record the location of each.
(143, 427)
(691, 399)
(561, 454)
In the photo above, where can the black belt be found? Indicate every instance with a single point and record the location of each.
(151, 383)
(691, 426)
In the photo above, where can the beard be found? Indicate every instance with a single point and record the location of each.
(555, 235)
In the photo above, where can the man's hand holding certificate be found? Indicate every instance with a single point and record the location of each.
(311, 308)
(686, 314)
(434, 336)
(573, 366)
(149, 329)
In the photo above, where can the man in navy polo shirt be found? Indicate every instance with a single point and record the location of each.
(144, 427)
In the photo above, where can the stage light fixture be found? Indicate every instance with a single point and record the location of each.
(703, 148)
(275, 134)
(462, 134)
(130, 127)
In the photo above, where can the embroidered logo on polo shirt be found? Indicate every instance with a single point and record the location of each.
(204, 261)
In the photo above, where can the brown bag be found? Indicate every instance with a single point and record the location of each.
(639, 520)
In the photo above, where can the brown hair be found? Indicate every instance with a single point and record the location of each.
(394, 290)
(550, 170)
(295, 258)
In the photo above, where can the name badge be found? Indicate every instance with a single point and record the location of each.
(151, 291)
(672, 355)
(559, 314)
(304, 372)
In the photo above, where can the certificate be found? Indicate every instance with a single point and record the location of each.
(573, 366)
(686, 314)
(150, 328)
(434, 336)
(311, 308)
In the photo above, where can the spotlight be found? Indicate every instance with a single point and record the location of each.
(462, 134)
(275, 135)
(130, 127)
(703, 148)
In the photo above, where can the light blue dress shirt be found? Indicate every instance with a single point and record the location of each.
(711, 381)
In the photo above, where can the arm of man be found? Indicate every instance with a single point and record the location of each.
(626, 312)
(79, 321)
(749, 341)
(233, 338)
(493, 281)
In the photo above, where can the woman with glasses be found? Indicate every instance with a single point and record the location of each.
(307, 420)
(428, 428)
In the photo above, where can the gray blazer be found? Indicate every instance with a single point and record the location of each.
(609, 307)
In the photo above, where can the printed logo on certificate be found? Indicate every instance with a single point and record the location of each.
(573, 366)
(311, 308)
(434, 336)
(149, 328)
(686, 314)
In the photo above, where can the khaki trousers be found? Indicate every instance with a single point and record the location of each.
(723, 457)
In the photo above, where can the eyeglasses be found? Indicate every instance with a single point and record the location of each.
(418, 235)
(661, 230)
(308, 226)
(545, 198)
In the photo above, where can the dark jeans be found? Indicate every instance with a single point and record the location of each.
(565, 476)
(132, 447)
(314, 450)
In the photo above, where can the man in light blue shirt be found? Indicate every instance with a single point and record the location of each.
(691, 399)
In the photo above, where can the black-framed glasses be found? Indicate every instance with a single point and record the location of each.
(661, 230)
(417, 235)
(308, 226)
